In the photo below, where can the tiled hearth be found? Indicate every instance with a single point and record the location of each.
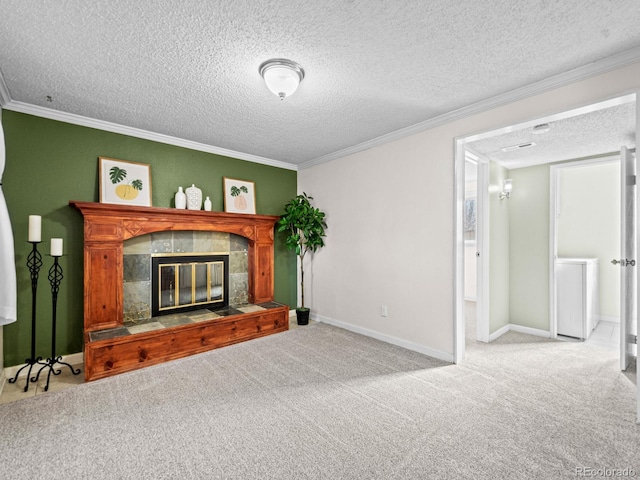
(185, 318)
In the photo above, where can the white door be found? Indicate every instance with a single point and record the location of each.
(630, 287)
(637, 322)
(627, 262)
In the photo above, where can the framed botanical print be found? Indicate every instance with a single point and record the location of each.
(239, 196)
(124, 183)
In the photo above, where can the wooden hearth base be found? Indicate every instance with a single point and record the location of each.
(107, 357)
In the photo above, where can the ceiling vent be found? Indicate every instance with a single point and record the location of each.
(518, 147)
(540, 129)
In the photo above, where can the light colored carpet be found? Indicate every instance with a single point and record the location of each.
(322, 403)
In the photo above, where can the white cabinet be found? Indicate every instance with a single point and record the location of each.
(577, 296)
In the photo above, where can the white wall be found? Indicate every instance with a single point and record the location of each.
(386, 215)
(391, 222)
(589, 224)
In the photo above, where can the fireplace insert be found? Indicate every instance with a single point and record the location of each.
(181, 283)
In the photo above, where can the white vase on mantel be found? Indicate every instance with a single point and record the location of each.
(207, 204)
(180, 199)
(194, 198)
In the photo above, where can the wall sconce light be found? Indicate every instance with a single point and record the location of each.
(281, 76)
(507, 186)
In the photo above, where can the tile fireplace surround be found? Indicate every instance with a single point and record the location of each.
(138, 252)
(113, 232)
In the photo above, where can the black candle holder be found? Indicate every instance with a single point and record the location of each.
(34, 262)
(55, 278)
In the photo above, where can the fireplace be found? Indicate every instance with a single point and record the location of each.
(110, 347)
(142, 296)
(181, 283)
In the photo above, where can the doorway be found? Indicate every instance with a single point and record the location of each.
(538, 306)
(585, 236)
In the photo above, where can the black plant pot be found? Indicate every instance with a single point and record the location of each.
(302, 314)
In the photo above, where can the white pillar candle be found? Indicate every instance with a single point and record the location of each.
(35, 228)
(56, 247)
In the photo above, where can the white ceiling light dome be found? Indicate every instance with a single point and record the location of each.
(281, 76)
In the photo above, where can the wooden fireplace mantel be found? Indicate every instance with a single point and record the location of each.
(107, 226)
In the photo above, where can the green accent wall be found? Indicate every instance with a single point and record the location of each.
(50, 163)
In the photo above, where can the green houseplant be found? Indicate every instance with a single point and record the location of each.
(305, 227)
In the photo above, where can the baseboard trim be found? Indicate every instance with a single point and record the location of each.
(444, 356)
(71, 359)
(498, 333)
(607, 318)
(529, 331)
(512, 327)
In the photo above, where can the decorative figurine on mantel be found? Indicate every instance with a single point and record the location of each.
(180, 199)
(194, 198)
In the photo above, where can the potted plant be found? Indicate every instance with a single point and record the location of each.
(305, 227)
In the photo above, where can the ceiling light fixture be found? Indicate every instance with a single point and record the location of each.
(281, 76)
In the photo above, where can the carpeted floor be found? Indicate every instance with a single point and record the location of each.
(323, 403)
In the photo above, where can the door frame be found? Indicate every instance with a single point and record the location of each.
(482, 239)
(482, 232)
(482, 248)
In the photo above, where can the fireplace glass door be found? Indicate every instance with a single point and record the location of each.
(185, 283)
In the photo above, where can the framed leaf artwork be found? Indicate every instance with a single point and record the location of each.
(239, 196)
(124, 183)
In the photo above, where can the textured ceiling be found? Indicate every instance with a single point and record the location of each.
(595, 133)
(189, 69)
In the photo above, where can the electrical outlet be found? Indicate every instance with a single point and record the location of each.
(383, 311)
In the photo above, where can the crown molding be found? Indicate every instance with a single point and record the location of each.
(613, 62)
(8, 104)
(72, 118)
(4, 92)
(598, 67)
